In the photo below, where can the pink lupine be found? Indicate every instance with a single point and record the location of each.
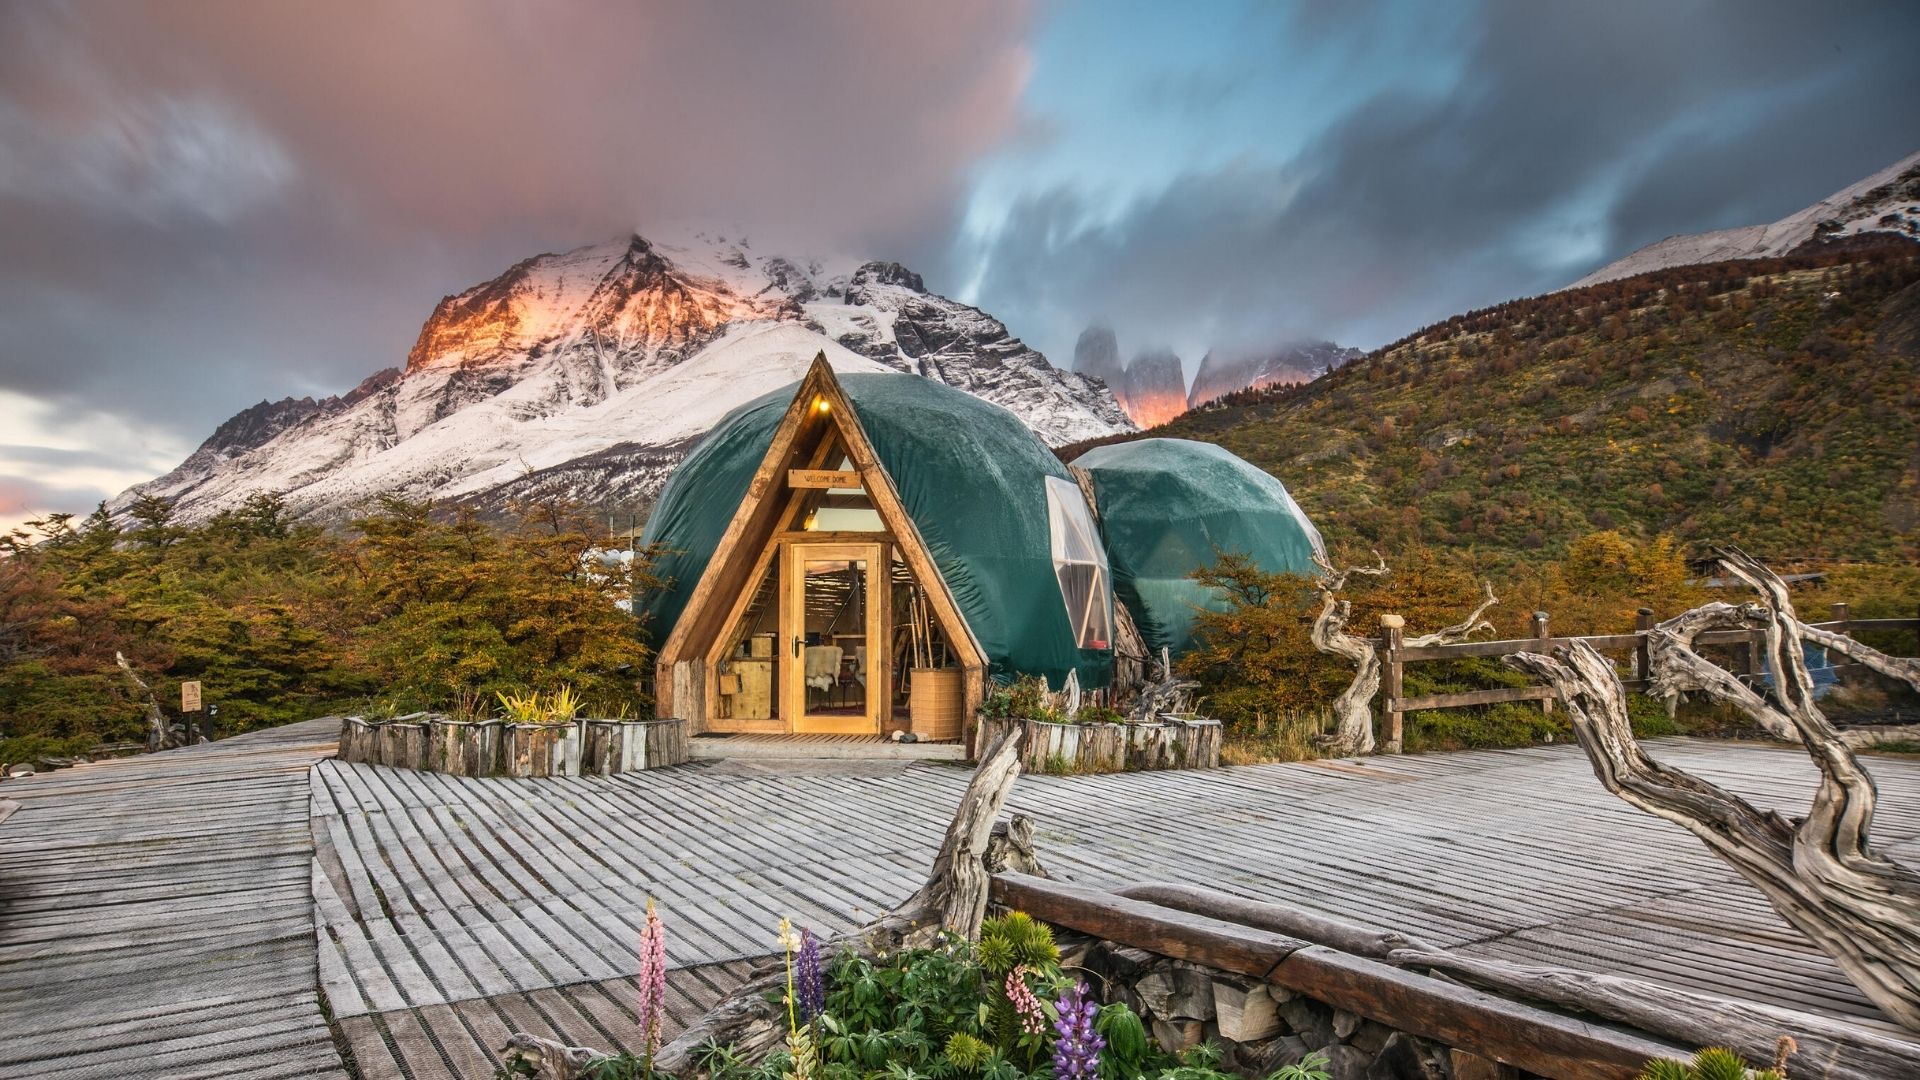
(1033, 1019)
(653, 980)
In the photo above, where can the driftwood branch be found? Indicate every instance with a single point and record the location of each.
(1675, 669)
(160, 734)
(1819, 873)
(1460, 631)
(1353, 709)
(1167, 693)
(1893, 667)
(1827, 1046)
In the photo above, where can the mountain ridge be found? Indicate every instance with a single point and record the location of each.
(1887, 201)
(599, 366)
(1773, 403)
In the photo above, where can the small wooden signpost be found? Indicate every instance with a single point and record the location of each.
(190, 704)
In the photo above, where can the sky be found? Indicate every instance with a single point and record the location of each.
(208, 203)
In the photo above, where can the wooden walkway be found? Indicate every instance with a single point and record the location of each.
(156, 916)
(452, 911)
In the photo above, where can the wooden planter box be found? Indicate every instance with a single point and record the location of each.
(459, 749)
(611, 747)
(1098, 748)
(497, 748)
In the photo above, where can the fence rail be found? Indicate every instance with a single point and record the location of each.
(1747, 645)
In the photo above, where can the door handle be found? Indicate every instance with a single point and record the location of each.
(796, 647)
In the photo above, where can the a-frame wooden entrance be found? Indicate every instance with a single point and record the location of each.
(780, 549)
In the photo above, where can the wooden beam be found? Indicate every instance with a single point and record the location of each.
(822, 479)
(1539, 1041)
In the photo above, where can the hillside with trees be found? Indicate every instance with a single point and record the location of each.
(282, 620)
(1770, 403)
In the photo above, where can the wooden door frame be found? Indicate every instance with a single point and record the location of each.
(687, 659)
(793, 690)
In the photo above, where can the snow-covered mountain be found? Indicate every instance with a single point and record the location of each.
(1222, 371)
(592, 372)
(1888, 201)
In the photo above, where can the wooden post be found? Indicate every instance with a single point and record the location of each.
(1756, 641)
(1842, 616)
(1642, 622)
(1391, 628)
(1540, 646)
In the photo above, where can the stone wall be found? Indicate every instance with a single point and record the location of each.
(1261, 1027)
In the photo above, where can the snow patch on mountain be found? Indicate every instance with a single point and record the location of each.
(1887, 201)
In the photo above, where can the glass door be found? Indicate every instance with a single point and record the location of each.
(832, 632)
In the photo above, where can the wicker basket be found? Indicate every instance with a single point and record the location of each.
(936, 703)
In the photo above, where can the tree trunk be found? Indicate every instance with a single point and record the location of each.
(160, 734)
(1353, 709)
(1820, 874)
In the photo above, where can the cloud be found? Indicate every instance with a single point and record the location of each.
(211, 202)
(1566, 135)
(69, 460)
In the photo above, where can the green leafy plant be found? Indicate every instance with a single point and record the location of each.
(1712, 1063)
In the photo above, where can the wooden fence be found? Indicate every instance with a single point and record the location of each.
(1747, 647)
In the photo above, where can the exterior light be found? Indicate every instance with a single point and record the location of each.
(820, 404)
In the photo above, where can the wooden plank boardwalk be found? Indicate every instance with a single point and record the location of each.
(156, 916)
(452, 911)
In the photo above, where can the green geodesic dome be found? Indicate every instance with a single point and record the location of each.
(972, 477)
(1171, 506)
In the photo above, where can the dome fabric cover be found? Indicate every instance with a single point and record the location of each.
(1169, 507)
(972, 477)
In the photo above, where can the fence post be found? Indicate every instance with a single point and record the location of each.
(1391, 627)
(1842, 616)
(1540, 646)
(1642, 660)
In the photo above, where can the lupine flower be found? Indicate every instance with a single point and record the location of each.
(1033, 1018)
(1076, 1053)
(812, 982)
(653, 980)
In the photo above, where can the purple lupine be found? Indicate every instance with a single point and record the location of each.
(811, 983)
(653, 980)
(1076, 1053)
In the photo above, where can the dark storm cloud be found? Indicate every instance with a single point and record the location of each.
(210, 203)
(1570, 135)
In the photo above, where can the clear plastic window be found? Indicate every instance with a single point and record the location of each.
(1080, 563)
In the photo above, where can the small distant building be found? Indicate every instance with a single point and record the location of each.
(866, 552)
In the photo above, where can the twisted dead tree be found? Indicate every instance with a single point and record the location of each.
(753, 1019)
(1818, 872)
(160, 733)
(1353, 709)
(1167, 693)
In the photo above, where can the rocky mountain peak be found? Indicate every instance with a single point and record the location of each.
(1223, 371)
(888, 273)
(1097, 354)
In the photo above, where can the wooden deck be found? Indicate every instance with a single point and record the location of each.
(156, 916)
(451, 911)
